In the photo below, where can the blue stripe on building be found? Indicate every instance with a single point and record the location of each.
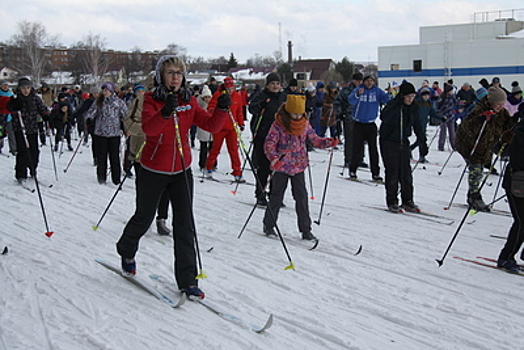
(404, 73)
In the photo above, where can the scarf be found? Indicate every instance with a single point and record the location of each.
(292, 126)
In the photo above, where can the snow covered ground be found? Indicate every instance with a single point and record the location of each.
(393, 295)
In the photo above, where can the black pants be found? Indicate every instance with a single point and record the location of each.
(263, 169)
(26, 158)
(365, 132)
(108, 147)
(150, 187)
(516, 232)
(63, 132)
(205, 147)
(298, 189)
(163, 204)
(348, 143)
(396, 159)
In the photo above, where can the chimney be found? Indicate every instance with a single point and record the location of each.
(289, 52)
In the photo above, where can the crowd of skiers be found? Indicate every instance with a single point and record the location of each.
(162, 123)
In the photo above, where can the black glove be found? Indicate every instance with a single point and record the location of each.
(89, 121)
(169, 107)
(15, 104)
(224, 102)
(444, 119)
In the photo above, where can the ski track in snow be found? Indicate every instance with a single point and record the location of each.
(392, 295)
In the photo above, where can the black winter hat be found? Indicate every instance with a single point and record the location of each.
(357, 76)
(272, 77)
(24, 82)
(293, 82)
(407, 88)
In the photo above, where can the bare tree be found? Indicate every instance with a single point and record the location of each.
(35, 45)
(175, 49)
(261, 61)
(91, 54)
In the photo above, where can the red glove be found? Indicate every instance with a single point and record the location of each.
(334, 142)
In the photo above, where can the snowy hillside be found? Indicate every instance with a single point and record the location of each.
(393, 295)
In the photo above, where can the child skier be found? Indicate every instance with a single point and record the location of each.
(285, 147)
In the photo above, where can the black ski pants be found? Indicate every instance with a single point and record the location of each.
(150, 187)
(365, 132)
(263, 168)
(298, 189)
(348, 143)
(26, 158)
(108, 147)
(516, 232)
(163, 204)
(396, 159)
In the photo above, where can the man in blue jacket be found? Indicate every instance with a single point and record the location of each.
(366, 100)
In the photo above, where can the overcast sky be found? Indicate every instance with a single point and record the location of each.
(207, 28)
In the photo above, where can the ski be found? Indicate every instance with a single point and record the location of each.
(234, 182)
(309, 245)
(495, 261)
(216, 311)
(365, 182)
(139, 282)
(421, 215)
(473, 212)
(44, 184)
(480, 263)
(26, 187)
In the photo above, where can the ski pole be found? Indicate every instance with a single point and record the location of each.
(456, 188)
(470, 210)
(254, 207)
(95, 227)
(48, 233)
(501, 176)
(250, 146)
(325, 188)
(310, 182)
(201, 273)
(74, 153)
(429, 146)
(488, 116)
(446, 162)
(291, 265)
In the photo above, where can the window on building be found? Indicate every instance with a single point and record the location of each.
(301, 76)
(395, 66)
(417, 66)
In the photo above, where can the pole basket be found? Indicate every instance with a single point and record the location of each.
(201, 275)
(49, 233)
(290, 267)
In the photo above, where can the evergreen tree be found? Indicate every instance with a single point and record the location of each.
(345, 68)
(232, 63)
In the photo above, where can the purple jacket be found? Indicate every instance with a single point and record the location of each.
(293, 147)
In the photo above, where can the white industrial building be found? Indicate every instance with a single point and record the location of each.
(462, 52)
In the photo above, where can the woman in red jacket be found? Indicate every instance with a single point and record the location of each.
(228, 131)
(164, 168)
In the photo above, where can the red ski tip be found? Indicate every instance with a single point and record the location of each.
(49, 234)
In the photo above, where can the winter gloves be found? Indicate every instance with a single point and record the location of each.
(224, 102)
(169, 107)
